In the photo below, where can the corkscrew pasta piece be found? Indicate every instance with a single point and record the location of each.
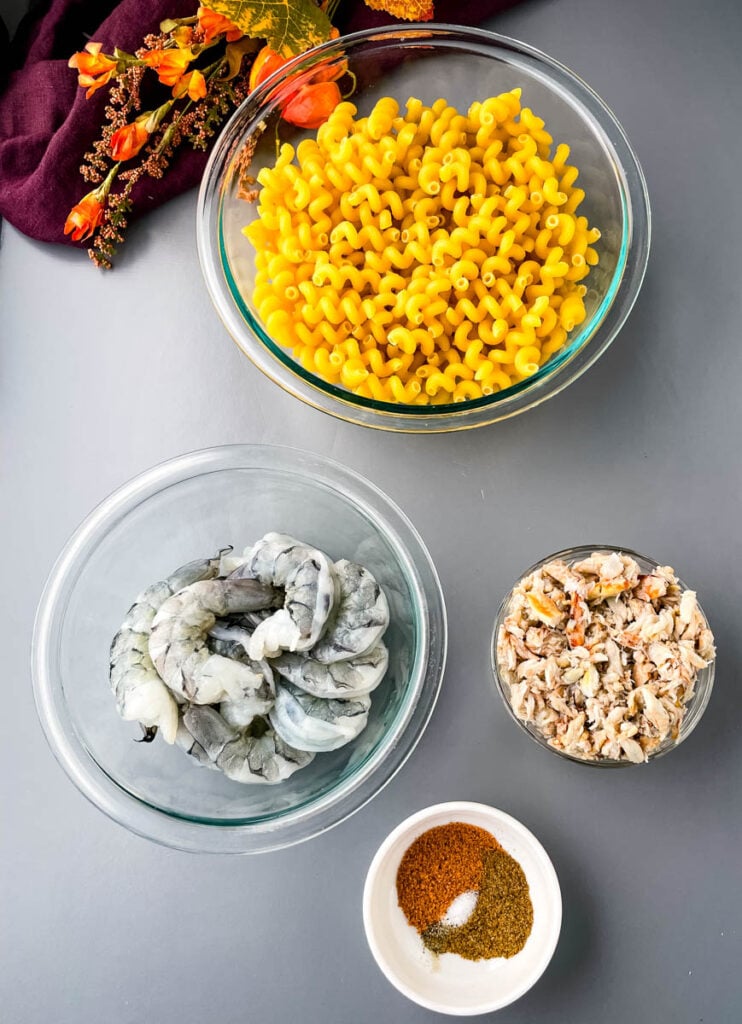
(424, 257)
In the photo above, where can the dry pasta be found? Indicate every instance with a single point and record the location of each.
(423, 258)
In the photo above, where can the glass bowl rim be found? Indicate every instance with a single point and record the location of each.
(696, 706)
(561, 370)
(330, 808)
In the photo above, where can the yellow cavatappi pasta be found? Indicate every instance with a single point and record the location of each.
(424, 258)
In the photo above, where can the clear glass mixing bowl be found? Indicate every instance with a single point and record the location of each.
(463, 65)
(190, 508)
(694, 708)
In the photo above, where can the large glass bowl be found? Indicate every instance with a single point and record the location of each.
(695, 707)
(463, 65)
(190, 508)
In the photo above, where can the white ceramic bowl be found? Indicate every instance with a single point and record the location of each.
(448, 983)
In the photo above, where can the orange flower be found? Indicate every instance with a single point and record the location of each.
(193, 83)
(182, 35)
(213, 24)
(329, 72)
(95, 69)
(85, 217)
(127, 141)
(311, 105)
(170, 65)
(266, 62)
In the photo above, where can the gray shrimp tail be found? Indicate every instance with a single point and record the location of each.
(247, 595)
(208, 729)
(193, 572)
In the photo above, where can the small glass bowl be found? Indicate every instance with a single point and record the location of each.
(466, 65)
(694, 708)
(190, 508)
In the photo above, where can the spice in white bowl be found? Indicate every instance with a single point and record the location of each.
(462, 869)
(446, 982)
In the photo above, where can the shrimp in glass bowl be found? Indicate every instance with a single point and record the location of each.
(255, 711)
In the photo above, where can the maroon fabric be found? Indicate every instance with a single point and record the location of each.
(46, 124)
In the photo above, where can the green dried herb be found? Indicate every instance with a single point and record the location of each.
(502, 918)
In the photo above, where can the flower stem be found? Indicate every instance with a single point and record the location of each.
(329, 7)
(102, 191)
(209, 73)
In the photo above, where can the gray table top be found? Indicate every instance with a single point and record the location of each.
(104, 375)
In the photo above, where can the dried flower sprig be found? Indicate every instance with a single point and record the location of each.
(201, 97)
(210, 62)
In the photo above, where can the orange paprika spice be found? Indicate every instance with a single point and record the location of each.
(444, 863)
(440, 865)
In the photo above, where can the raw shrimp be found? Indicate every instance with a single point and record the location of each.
(177, 643)
(360, 617)
(252, 619)
(311, 723)
(229, 562)
(343, 679)
(257, 700)
(307, 577)
(235, 636)
(186, 742)
(251, 755)
(141, 696)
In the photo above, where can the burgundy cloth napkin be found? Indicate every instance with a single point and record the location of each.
(46, 124)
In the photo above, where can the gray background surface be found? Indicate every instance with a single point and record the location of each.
(104, 375)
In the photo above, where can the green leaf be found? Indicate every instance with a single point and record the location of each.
(288, 26)
(235, 52)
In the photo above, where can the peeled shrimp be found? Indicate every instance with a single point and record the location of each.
(311, 723)
(307, 577)
(249, 756)
(141, 696)
(360, 617)
(177, 643)
(343, 679)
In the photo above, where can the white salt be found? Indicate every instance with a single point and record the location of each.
(460, 910)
